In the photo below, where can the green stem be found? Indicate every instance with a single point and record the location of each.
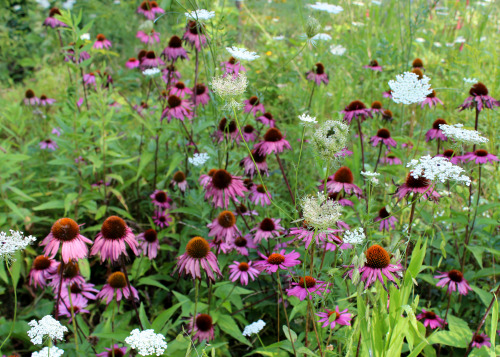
(73, 318)
(15, 308)
(286, 314)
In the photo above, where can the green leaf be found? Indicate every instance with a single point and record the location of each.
(152, 282)
(56, 204)
(289, 334)
(160, 320)
(143, 317)
(494, 325)
(228, 325)
(478, 254)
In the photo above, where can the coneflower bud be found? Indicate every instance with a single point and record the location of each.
(312, 27)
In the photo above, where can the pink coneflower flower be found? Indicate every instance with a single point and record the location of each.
(150, 38)
(242, 210)
(386, 220)
(481, 340)
(453, 279)
(431, 320)
(307, 286)
(450, 155)
(132, 63)
(242, 244)
(220, 246)
(205, 179)
(249, 134)
(374, 66)
(51, 21)
(180, 90)
(116, 351)
(70, 55)
(343, 179)
(479, 98)
(176, 108)
(417, 185)
(376, 108)
(318, 74)
(70, 275)
(377, 265)
(194, 35)
(436, 132)
(387, 115)
(266, 229)
(242, 272)
(390, 159)
(334, 317)
(274, 142)
(480, 157)
(384, 136)
(306, 234)
(89, 79)
(179, 180)
(253, 105)
(335, 196)
(170, 74)
(149, 243)
(227, 129)
(42, 270)
(30, 98)
(174, 50)
(418, 63)
(277, 261)
(149, 9)
(202, 96)
(151, 61)
(267, 119)
(44, 101)
(224, 187)
(117, 283)
(101, 42)
(232, 67)
(258, 196)
(78, 288)
(431, 100)
(198, 256)
(356, 109)
(161, 199)
(249, 166)
(224, 227)
(387, 94)
(48, 144)
(110, 241)
(203, 327)
(79, 304)
(66, 233)
(162, 218)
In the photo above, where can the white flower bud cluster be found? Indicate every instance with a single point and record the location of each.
(230, 87)
(330, 139)
(319, 212)
(437, 169)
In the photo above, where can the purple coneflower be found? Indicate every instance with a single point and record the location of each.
(65, 232)
(417, 185)
(481, 340)
(79, 306)
(267, 119)
(202, 96)
(356, 109)
(161, 199)
(177, 108)
(224, 187)
(149, 9)
(242, 272)
(132, 63)
(418, 63)
(376, 108)
(386, 220)
(343, 179)
(162, 218)
(194, 35)
(232, 67)
(148, 243)
(384, 136)
(318, 74)
(52, 21)
(150, 38)
(220, 246)
(334, 317)
(258, 196)
(170, 74)
(374, 66)
(335, 196)
(89, 79)
(387, 115)
(450, 155)
(266, 229)
(436, 132)
(253, 105)
(390, 159)
(203, 327)
(117, 283)
(227, 129)
(45, 101)
(174, 50)
(224, 227)
(431, 100)
(387, 94)
(249, 166)
(101, 42)
(453, 279)
(78, 288)
(274, 142)
(431, 320)
(479, 98)
(116, 350)
(48, 144)
(151, 61)
(180, 90)
(179, 180)
(307, 286)
(42, 270)
(276, 261)
(198, 256)
(30, 98)
(249, 134)
(480, 156)
(110, 241)
(205, 179)
(242, 244)
(70, 275)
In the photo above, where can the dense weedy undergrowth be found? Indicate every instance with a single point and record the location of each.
(217, 178)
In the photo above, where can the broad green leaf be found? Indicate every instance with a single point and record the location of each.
(227, 324)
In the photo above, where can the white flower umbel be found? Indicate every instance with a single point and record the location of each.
(48, 351)
(322, 37)
(319, 212)
(330, 139)
(408, 89)
(337, 50)
(465, 136)
(242, 54)
(199, 159)
(151, 71)
(307, 119)
(371, 176)
(230, 87)
(356, 236)
(254, 328)
(10, 244)
(200, 15)
(322, 6)
(470, 80)
(437, 169)
(85, 37)
(147, 342)
(46, 327)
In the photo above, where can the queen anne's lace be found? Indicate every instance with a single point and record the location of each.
(356, 236)
(147, 342)
(242, 54)
(465, 136)
(307, 119)
(230, 87)
(321, 6)
(48, 351)
(9, 245)
(437, 169)
(254, 328)
(319, 212)
(408, 89)
(46, 327)
(199, 159)
(200, 15)
(330, 139)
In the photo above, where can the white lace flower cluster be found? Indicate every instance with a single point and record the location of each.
(48, 352)
(322, 6)
(254, 328)
(199, 159)
(200, 15)
(458, 134)
(242, 54)
(330, 139)
(230, 87)
(147, 342)
(409, 89)
(307, 119)
(319, 212)
(371, 176)
(356, 236)
(10, 244)
(337, 50)
(470, 80)
(437, 169)
(151, 71)
(48, 327)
